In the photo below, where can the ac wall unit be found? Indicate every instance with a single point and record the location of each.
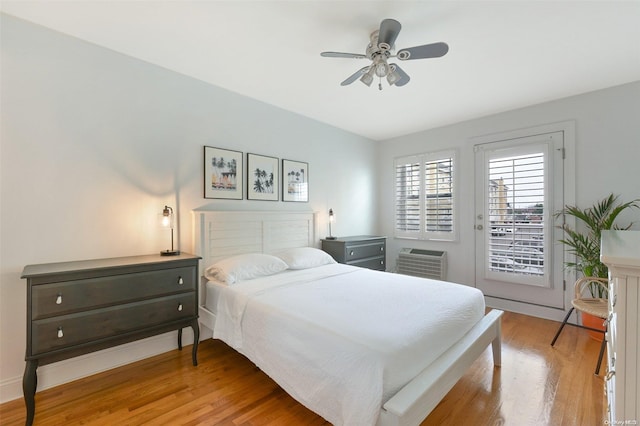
(423, 263)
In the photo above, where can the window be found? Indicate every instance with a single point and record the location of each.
(425, 196)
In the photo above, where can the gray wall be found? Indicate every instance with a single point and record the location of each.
(607, 151)
(95, 143)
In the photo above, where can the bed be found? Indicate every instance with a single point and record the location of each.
(349, 343)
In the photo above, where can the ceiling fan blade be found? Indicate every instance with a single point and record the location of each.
(388, 33)
(342, 55)
(354, 76)
(434, 50)
(404, 77)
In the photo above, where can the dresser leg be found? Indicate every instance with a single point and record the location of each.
(179, 339)
(196, 340)
(29, 384)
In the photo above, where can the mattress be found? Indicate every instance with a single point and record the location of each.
(340, 339)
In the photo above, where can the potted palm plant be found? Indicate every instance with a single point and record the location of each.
(585, 243)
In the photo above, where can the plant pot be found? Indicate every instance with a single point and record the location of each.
(591, 321)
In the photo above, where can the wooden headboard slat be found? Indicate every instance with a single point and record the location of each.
(220, 234)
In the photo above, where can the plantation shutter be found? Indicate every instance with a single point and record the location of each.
(408, 203)
(517, 202)
(439, 195)
(424, 187)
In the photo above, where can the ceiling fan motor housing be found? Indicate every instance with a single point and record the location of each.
(375, 48)
(378, 54)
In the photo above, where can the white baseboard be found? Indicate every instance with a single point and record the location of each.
(10, 389)
(96, 362)
(545, 312)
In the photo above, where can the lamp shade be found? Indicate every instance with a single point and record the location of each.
(167, 221)
(167, 217)
(393, 77)
(367, 78)
(332, 219)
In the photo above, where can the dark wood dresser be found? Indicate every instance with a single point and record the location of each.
(79, 307)
(366, 251)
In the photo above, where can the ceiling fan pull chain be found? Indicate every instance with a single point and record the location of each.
(380, 84)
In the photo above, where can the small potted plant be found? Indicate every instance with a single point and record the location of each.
(585, 243)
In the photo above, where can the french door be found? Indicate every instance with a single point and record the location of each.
(519, 186)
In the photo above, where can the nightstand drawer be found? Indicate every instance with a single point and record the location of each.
(371, 263)
(69, 330)
(363, 251)
(74, 296)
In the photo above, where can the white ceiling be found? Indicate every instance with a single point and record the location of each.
(503, 54)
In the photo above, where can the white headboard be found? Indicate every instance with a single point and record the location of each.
(220, 234)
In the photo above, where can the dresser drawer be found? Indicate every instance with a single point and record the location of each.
(371, 263)
(69, 330)
(74, 296)
(363, 251)
(366, 251)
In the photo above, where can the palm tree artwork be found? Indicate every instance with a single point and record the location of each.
(223, 176)
(263, 181)
(296, 181)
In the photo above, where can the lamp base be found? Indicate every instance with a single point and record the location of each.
(169, 252)
(330, 238)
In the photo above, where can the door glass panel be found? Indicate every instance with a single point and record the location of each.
(516, 212)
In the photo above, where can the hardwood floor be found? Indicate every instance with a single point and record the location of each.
(536, 385)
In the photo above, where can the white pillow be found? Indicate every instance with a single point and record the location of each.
(305, 257)
(244, 267)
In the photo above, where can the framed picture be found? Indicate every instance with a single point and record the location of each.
(262, 177)
(222, 173)
(295, 181)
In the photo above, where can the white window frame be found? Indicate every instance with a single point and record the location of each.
(422, 233)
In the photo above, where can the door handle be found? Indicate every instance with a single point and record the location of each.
(479, 227)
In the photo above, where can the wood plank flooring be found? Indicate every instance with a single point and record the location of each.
(536, 385)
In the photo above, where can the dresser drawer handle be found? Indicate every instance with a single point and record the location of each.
(351, 253)
(180, 281)
(59, 299)
(381, 248)
(180, 307)
(382, 262)
(60, 333)
(610, 375)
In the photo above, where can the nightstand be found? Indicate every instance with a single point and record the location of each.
(74, 308)
(367, 251)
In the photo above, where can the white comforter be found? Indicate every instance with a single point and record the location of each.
(342, 340)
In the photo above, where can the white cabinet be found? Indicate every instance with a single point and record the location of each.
(621, 253)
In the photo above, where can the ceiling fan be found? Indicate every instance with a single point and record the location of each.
(379, 52)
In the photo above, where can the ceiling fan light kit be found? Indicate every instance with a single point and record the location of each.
(367, 78)
(393, 77)
(379, 50)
